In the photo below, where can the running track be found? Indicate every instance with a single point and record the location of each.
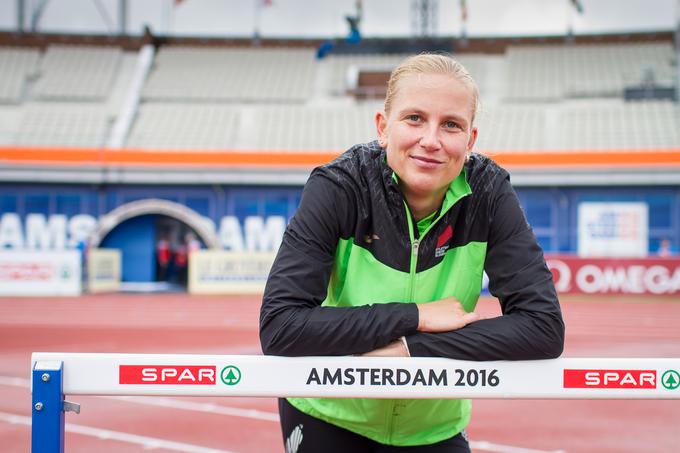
(228, 325)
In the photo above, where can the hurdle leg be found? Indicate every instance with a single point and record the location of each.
(47, 430)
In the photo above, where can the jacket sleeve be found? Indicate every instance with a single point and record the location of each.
(531, 325)
(292, 320)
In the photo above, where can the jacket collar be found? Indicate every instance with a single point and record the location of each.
(458, 188)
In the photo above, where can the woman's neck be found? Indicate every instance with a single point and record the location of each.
(421, 206)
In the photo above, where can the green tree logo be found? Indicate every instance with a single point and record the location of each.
(230, 375)
(670, 379)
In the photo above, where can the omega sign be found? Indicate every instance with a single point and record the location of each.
(615, 276)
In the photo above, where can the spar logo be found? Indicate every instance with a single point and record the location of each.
(167, 374)
(610, 379)
(230, 375)
(670, 380)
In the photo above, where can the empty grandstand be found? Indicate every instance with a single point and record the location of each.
(230, 129)
(534, 97)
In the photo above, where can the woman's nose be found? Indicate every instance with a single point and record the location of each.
(430, 138)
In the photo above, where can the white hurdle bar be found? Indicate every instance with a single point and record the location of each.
(56, 374)
(366, 377)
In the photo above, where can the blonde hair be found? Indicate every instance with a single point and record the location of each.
(429, 63)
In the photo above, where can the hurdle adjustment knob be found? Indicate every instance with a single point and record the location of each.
(38, 406)
(45, 377)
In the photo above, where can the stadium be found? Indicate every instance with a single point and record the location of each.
(143, 169)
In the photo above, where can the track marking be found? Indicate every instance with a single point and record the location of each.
(15, 381)
(498, 448)
(148, 443)
(211, 408)
(231, 411)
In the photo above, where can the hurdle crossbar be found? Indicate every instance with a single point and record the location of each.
(58, 374)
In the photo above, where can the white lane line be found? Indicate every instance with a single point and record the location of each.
(148, 443)
(254, 414)
(498, 448)
(15, 381)
(211, 408)
(199, 407)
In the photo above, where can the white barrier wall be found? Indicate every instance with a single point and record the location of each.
(103, 270)
(613, 230)
(223, 272)
(40, 273)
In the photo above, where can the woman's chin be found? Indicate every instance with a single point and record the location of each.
(424, 188)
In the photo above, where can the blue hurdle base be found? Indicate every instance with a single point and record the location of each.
(47, 433)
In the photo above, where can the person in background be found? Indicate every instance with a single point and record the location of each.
(665, 248)
(84, 249)
(192, 243)
(163, 257)
(385, 256)
(181, 262)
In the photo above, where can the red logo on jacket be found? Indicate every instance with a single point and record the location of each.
(443, 241)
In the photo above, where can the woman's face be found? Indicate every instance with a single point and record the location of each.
(427, 133)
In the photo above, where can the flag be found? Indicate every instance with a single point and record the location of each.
(578, 6)
(463, 11)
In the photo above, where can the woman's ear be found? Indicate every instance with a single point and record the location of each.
(381, 128)
(471, 139)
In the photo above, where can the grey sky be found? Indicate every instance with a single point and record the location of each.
(325, 18)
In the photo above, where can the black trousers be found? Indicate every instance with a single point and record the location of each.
(303, 433)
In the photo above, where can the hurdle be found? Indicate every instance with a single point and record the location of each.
(56, 375)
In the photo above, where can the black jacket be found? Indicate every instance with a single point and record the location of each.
(352, 211)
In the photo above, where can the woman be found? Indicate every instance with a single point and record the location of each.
(385, 256)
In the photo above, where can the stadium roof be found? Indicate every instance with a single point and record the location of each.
(326, 19)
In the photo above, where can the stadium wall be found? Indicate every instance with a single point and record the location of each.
(49, 216)
(241, 201)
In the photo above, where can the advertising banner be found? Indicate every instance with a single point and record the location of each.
(651, 276)
(40, 273)
(103, 270)
(223, 272)
(612, 230)
(366, 377)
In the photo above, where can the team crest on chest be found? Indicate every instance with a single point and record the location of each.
(443, 242)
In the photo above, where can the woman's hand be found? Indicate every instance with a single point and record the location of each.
(444, 315)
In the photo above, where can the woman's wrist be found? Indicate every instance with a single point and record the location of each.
(405, 343)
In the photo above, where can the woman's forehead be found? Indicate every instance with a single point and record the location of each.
(421, 88)
(432, 81)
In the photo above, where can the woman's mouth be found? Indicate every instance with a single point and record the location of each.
(426, 162)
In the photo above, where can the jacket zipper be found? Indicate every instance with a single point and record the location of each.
(414, 263)
(415, 243)
(415, 246)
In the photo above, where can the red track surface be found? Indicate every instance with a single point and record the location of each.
(228, 325)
